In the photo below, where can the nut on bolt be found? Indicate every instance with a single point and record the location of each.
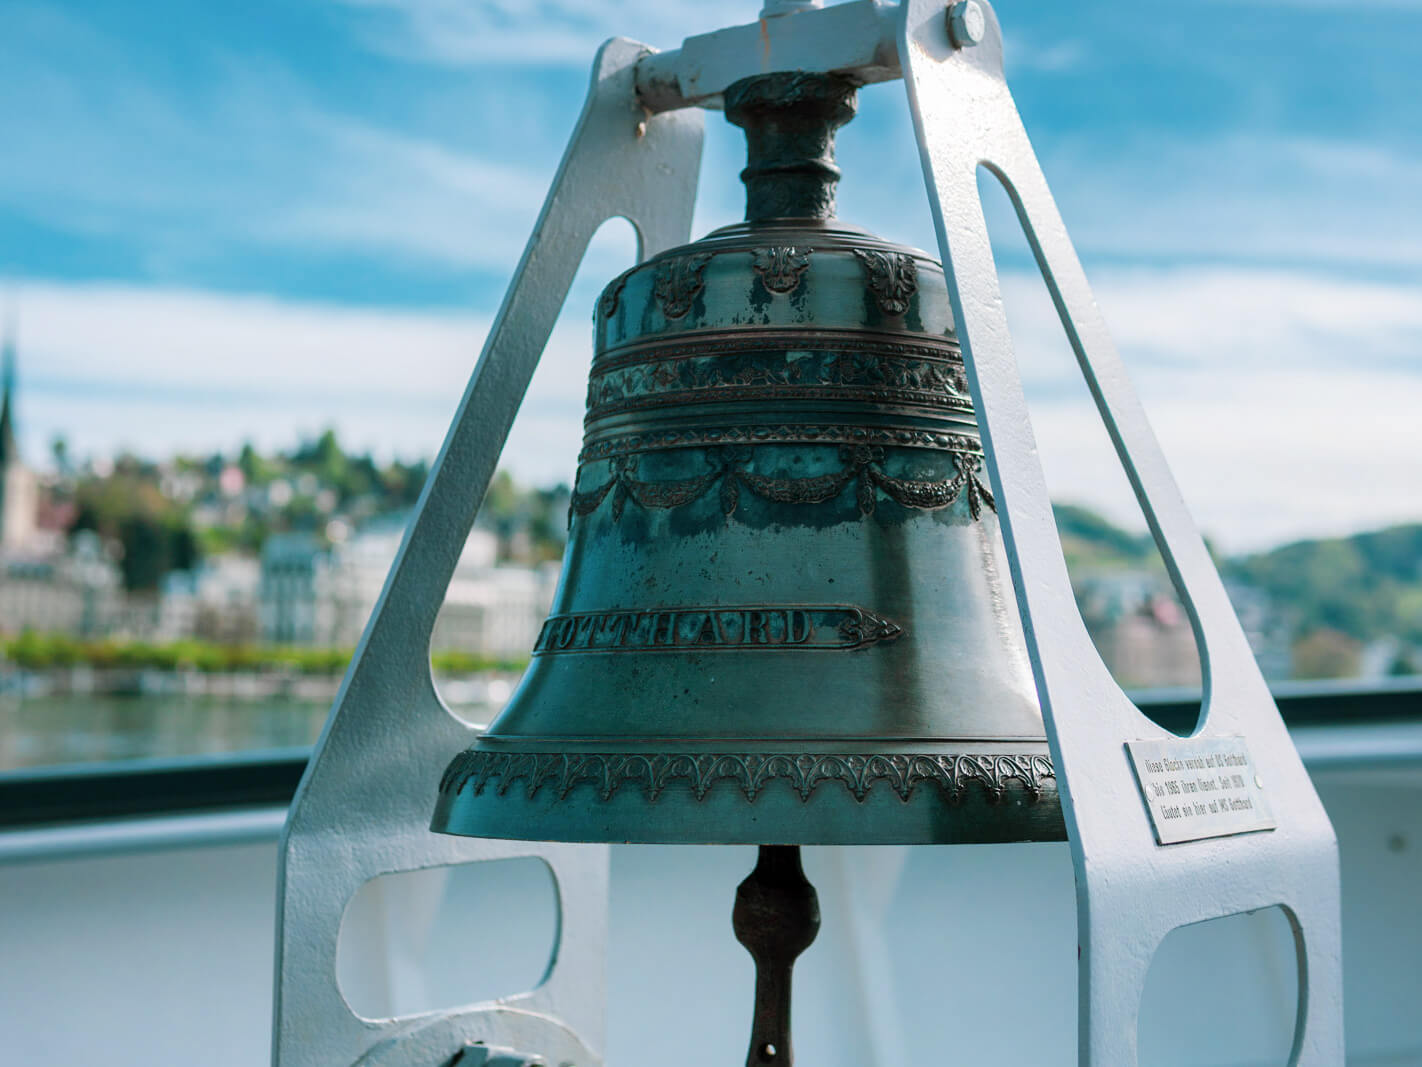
(967, 23)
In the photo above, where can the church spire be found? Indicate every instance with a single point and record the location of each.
(9, 450)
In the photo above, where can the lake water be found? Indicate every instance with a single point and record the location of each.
(55, 729)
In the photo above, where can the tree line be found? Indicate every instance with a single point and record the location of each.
(164, 517)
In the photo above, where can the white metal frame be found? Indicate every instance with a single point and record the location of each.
(365, 802)
(1131, 892)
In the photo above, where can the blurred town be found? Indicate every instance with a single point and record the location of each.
(238, 563)
(226, 565)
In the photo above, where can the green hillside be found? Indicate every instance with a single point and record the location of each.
(1368, 586)
(1090, 541)
(1328, 599)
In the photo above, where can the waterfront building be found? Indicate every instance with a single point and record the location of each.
(295, 603)
(47, 583)
(216, 601)
(1140, 630)
(78, 591)
(312, 595)
(1269, 630)
(19, 489)
(497, 611)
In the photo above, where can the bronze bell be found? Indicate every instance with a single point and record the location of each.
(784, 615)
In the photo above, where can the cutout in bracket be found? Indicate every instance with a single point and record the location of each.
(1131, 608)
(503, 585)
(1222, 993)
(445, 937)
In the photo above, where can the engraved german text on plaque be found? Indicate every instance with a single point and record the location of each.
(1199, 787)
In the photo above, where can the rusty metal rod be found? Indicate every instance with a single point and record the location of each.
(776, 917)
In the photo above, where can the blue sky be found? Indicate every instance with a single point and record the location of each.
(230, 221)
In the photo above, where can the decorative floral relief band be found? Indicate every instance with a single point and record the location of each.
(890, 277)
(780, 434)
(936, 385)
(750, 365)
(678, 281)
(561, 773)
(780, 269)
(859, 465)
(778, 341)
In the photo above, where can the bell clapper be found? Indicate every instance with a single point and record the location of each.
(776, 917)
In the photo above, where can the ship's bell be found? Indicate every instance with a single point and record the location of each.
(784, 615)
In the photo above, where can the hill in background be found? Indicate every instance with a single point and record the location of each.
(1325, 608)
(1330, 607)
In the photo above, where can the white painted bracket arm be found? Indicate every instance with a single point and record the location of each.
(364, 804)
(857, 38)
(1132, 891)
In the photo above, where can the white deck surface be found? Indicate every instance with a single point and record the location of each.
(151, 943)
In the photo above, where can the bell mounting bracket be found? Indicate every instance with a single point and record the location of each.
(363, 807)
(1131, 891)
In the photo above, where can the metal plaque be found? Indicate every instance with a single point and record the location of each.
(1199, 787)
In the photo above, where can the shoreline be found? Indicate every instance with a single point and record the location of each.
(462, 688)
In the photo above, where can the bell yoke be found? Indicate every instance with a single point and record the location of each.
(788, 613)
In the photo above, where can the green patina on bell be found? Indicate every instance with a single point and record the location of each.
(785, 615)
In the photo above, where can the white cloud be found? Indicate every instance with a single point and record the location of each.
(251, 163)
(1259, 461)
(1286, 403)
(385, 191)
(168, 340)
(1021, 52)
(1233, 320)
(160, 371)
(515, 33)
(1159, 196)
(254, 164)
(1414, 6)
(1256, 198)
(565, 32)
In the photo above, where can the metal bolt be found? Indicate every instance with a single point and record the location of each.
(967, 23)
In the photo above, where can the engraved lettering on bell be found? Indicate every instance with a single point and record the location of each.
(731, 627)
(678, 280)
(780, 268)
(893, 278)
